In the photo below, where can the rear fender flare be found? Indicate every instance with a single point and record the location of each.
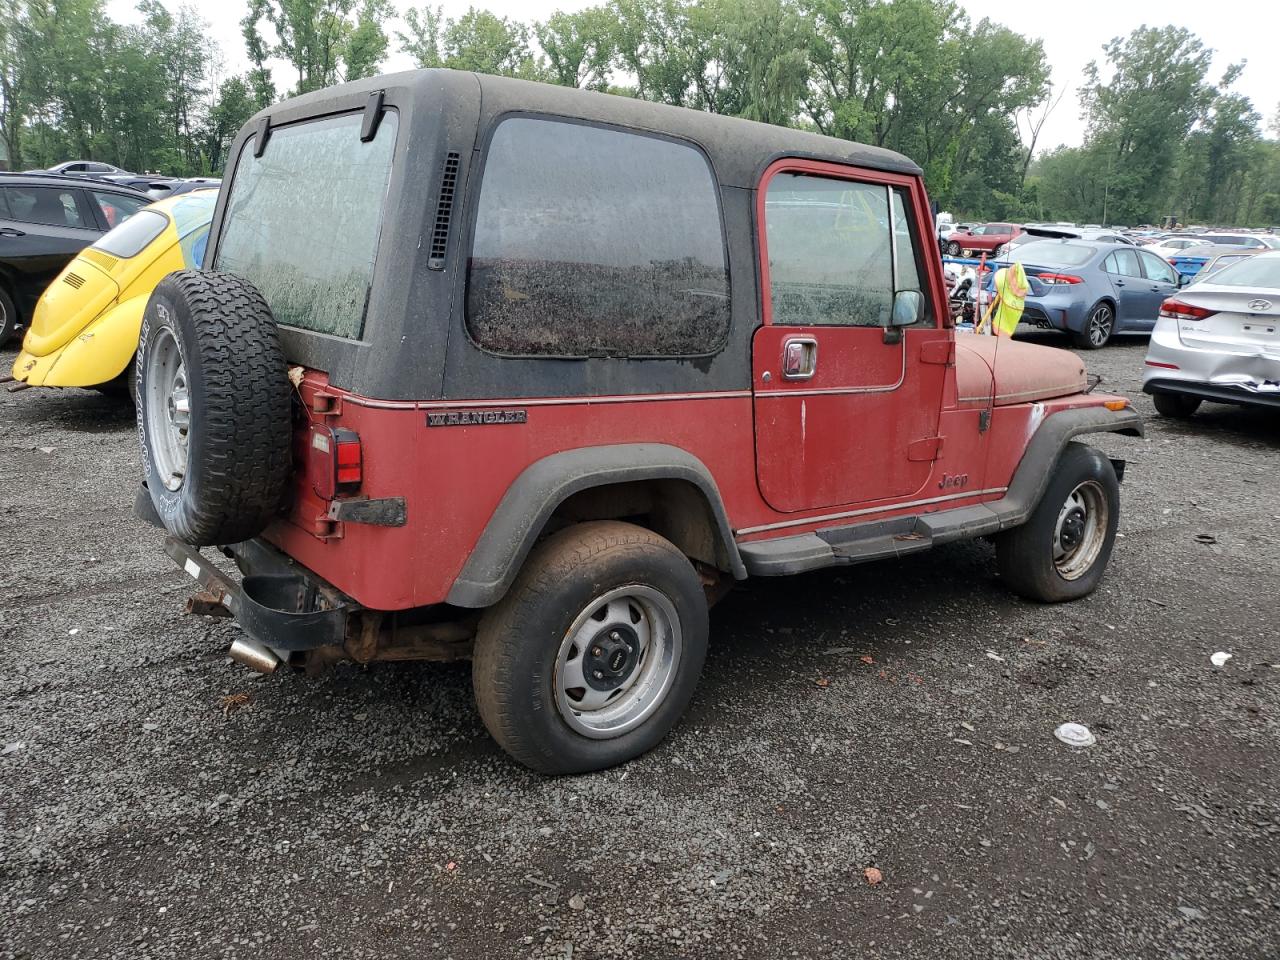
(102, 351)
(1054, 433)
(534, 495)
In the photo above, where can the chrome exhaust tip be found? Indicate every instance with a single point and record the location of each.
(254, 655)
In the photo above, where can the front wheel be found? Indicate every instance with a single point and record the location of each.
(1176, 405)
(594, 653)
(953, 248)
(1060, 553)
(1098, 328)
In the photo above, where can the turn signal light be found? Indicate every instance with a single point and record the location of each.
(1054, 278)
(336, 461)
(1116, 404)
(1178, 310)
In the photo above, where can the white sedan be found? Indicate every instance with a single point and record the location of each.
(1219, 340)
(1168, 247)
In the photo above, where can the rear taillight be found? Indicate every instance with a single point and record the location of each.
(1055, 278)
(1177, 310)
(337, 464)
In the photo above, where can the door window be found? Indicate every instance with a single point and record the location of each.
(48, 205)
(116, 208)
(829, 253)
(1157, 269)
(1123, 263)
(591, 241)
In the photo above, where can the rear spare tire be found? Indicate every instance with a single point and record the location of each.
(213, 408)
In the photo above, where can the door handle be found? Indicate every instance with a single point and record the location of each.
(1119, 283)
(11, 232)
(799, 358)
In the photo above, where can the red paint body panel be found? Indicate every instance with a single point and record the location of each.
(849, 445)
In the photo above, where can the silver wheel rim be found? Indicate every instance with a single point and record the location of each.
(1081, 530)
(167, 402)
(1099, 326)
(617, 661)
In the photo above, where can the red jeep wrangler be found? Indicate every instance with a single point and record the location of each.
(486, 368)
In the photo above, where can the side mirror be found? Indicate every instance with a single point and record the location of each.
(1183, 280)
(908, 308)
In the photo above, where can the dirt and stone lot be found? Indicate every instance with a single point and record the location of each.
(158, 801)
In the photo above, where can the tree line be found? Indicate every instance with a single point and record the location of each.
(965, 100)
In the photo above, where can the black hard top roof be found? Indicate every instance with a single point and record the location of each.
(739, 149)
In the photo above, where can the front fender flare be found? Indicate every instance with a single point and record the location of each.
(1036, 466)
(534, 495)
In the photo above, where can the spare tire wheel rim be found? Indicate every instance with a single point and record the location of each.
(168, 406)
(617, 661)
(1081, 530)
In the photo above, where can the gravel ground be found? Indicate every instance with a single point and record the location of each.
(158, 801)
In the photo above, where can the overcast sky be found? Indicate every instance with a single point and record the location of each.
(1073, 33)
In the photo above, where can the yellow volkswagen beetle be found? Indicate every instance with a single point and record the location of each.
(84, 331)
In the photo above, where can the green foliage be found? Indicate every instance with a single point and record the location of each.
(916, 76)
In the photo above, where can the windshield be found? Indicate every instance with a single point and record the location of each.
(1259, 271)
(1050, 253)
(128, 239)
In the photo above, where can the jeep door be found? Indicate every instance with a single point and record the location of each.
(846, 405)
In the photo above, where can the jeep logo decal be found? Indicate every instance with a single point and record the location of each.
(466, 418)
(951, 481)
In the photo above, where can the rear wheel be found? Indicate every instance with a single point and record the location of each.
(1098, 328)
(1176, 405)
(1060, 553)
(8, 317)
(594, 653)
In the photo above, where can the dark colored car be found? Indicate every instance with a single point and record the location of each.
(985, 238)
(45, 220)
(1092, 289)
(539, 403)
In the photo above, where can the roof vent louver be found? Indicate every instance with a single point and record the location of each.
(444, 213)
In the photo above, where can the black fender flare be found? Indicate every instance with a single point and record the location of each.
(1052, 436)
(541, 487)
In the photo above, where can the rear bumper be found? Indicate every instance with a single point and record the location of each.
(1240, 376)
(278, 604)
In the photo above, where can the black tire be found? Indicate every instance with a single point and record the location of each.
(520, 638)
(1176, 405)
(1025, 554)
(8, 317)
(125, 385)
(237, 444)
(1103, 316)
(953, 248)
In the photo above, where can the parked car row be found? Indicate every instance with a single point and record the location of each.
(48, 218)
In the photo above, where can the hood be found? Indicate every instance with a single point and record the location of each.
(1013, 371)
(75, 298)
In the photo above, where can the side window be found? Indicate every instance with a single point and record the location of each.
(978, 231)
(831, 251)
(596, 242)
(1157, 269)
(116, 209)
(54, 206)
(1123, 263)
(74, 168)
(4, 204)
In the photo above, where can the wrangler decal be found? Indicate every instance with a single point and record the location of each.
(466, 418)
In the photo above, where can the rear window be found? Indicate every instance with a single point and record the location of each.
(303, 220)
(1049, 253)
(1259, 271)
(128, 239)
(591, 241)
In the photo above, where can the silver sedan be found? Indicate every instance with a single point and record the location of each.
(1219, 340)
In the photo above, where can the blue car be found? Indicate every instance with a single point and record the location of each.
(1093, 290)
